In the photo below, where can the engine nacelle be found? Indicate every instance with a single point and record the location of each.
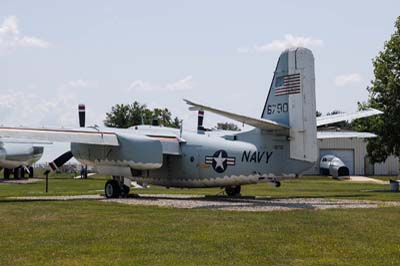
(334, 166)
(134, 152)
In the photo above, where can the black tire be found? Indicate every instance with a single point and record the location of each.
(17, 173)
(233, 191)
(7, 173)
(112, 189)
(125, 190)
(31, 175)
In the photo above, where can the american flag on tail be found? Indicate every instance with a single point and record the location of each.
(290, 84)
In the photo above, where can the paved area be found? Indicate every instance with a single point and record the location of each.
(367, 179)
(224, 203)
(19, 181)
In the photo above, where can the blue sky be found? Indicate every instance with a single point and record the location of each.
(54, 55)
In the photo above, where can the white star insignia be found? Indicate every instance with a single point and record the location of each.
(220, 161)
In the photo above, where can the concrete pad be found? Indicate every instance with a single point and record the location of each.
(367, 179)
(19, 181)
(261, 204)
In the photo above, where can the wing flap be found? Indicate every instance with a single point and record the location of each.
(255, 122)
(61, 135)
(330, 119)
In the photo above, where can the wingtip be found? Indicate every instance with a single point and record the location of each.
(189, 102)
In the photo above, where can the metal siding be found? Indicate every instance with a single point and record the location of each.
(359, 145)
(389, 167)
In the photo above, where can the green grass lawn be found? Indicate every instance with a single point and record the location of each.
(98, 233)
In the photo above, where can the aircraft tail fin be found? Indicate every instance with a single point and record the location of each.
(291, 101)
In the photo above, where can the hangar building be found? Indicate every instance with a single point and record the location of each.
(353, 152)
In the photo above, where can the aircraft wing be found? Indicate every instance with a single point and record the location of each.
(340, 134)
(330, 119)
(88, 136)
(255, 122)
(24, 141)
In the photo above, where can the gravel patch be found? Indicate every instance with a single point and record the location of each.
(249, 204)
(224, 203)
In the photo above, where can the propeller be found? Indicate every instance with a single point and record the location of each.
(65, 157)
(200, 118)
(60, 160)
(81, 110)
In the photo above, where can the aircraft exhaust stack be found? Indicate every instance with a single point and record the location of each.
(81, 109)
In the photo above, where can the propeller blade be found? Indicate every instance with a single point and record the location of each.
(200, 117)
(81, 109)
(61, 160)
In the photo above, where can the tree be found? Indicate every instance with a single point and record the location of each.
(227, 126)
(384, 95)
(128, 115)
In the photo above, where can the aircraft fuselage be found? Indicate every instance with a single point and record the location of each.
(200, 161)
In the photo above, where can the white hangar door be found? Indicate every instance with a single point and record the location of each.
(347, 156)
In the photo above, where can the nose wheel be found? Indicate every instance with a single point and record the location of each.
(233, 191)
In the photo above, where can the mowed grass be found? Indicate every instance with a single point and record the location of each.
(103, 233)
(302, 187)
(99, 233)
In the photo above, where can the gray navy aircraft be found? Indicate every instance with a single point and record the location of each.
(282, 144)
(17, 157)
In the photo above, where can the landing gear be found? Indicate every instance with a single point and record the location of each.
(116, 188)
(17, 172)
(31, 172)
(7, 173)
(125, 190)
(277, 184)
(233, 191)
(112, 189)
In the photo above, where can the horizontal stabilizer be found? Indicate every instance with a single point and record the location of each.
(340, 134)
(330, 119)
(88, 136)
(255, 122)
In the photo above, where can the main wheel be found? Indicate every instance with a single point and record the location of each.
(112, 189)
(125, 190)
(17, 173)
(31, 172)
(7, 173)
(233, 191)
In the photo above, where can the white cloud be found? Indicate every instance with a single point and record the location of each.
(343, 80)
(180, 85)
(59, 108)
(80, 83)
(289, 41)
(10, 37)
